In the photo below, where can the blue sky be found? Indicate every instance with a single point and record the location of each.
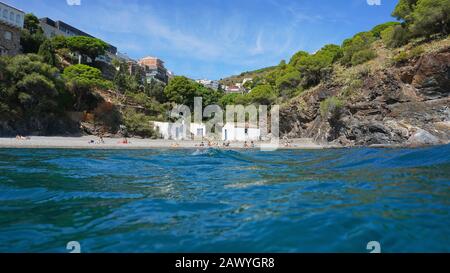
(215, 38)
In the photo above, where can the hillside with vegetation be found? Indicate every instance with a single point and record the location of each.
(255, 74)
(57, 87)
(387, 85)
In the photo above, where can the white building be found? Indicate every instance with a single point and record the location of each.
(240, 132)
(175, 131)
(209, 84)
(233, 89)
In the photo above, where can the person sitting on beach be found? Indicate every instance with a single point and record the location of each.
(101, 140)
(202, 144)
(20, 137)
(246, 144)
(91, 141)
(252, 144)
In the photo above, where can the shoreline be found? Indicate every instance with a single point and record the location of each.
(83, 142)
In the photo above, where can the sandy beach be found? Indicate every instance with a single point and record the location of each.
(84, 142)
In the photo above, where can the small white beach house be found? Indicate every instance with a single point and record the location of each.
(240, 132)
(174, 131)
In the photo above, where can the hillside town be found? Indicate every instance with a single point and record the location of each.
(148, 69)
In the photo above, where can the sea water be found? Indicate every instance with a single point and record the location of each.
(225, 201)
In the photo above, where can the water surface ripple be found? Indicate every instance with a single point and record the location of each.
(225, 201)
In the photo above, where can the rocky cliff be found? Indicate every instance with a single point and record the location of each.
(405, 102)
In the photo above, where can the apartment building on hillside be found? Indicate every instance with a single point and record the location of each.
(11, 24)
(154, 69)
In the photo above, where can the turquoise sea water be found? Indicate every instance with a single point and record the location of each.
(225, 201)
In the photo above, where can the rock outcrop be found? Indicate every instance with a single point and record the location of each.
(407, 104)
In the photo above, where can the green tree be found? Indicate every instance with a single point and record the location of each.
(228, 99)
(297, 57)
(288, 83)
(32, 89)
(47, 51)
(155, 89)
(81, 81)
(181, 90)
(32, 35)
(360, 42)
(262, 94)
(138, 124)
(377, 30)
(87, 46)
(395, 36)
(84, 74)
(313, 67)
(59, 42)
(430, 17)
(403, 10)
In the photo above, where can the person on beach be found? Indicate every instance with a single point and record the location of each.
(252, 144)
(246, 144)
(20, 137)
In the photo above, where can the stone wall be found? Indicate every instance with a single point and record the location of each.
(9, 46)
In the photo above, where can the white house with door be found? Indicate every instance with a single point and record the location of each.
(177, 131)
(240, 132)
(169, 130)
(198, 130)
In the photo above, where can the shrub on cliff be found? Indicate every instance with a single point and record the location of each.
(262, 94)
(354, 46)
(138, 124)
(331, 108)
(377, 30)
(314, 67)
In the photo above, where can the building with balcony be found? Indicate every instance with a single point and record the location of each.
(154, 69)
(11, 23)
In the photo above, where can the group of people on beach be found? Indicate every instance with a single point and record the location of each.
(99, 141)
(225, 144)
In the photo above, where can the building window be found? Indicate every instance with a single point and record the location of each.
(11, 16)
(18, 19)
(7, 35)
(5, 14)
(3, 51)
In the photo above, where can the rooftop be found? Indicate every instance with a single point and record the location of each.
(12, 7)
